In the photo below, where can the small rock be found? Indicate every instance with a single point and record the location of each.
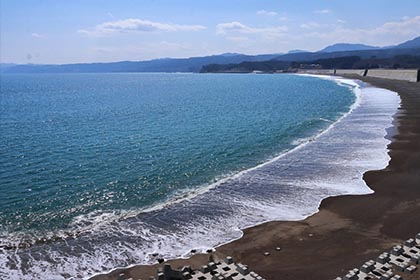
(193, 251)
(161, 260)
(266, 254)
(209, 251)
(311, 234)
(278, 249)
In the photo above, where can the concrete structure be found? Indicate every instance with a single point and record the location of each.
(411, 75)
(212, 271)
(398, 74)
(317, 71)
(358, 72)
(401, 258)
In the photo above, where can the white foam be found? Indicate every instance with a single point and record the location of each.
(287, 187)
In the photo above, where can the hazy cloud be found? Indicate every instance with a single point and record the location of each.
(310, 25)
(236, 27)
(406, 28)
(266, 13)
(408, 25)
(37, 35)
(324, 11)
(137, 25)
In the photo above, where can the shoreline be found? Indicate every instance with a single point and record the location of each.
(318, 245)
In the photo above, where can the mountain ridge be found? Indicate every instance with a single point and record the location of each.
(347, 47)
(195, 64)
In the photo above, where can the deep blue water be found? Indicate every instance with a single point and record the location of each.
(105, 170)
(75, 143)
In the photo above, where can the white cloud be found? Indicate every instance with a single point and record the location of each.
(324, 11)
(236, 27)
(37, 35)
(341, 21)
(266, 13)
(137, 25)
(310, 25)
(393, 32)
(406, 26)
(237, 39)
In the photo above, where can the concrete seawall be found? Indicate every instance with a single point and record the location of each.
(403, 75)
(411, 75)
(317, 71)
(359, 72)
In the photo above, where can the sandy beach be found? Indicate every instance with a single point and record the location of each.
(348, 230)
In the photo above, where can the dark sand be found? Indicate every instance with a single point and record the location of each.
(348, 230)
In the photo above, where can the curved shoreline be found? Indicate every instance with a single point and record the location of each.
(348, 230)
(336, 222)
(354, 87)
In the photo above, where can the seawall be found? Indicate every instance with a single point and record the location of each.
(359, 72)
(317, 71)
(402, 75)
(411, 75)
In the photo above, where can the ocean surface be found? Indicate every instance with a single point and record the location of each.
(99, 171)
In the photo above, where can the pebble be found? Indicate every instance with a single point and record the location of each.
(266, 254)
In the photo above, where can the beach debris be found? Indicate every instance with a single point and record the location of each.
(278, 248)
(266, 254)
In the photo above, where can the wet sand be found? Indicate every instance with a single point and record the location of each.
(348, 230)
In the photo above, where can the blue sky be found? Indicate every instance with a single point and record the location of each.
(58, 31)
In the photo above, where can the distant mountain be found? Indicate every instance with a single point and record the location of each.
(378, 53)
(342, 62)
(193, 64)
(415, 43)
(231, 54)
(342, 47)
(297, 51)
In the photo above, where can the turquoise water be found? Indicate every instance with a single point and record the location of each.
(107, 170)
(72, 144)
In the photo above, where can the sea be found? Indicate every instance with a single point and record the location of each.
(99, 171)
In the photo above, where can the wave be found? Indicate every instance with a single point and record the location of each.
(290, 186)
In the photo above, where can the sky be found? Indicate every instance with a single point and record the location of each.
(64, 31)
